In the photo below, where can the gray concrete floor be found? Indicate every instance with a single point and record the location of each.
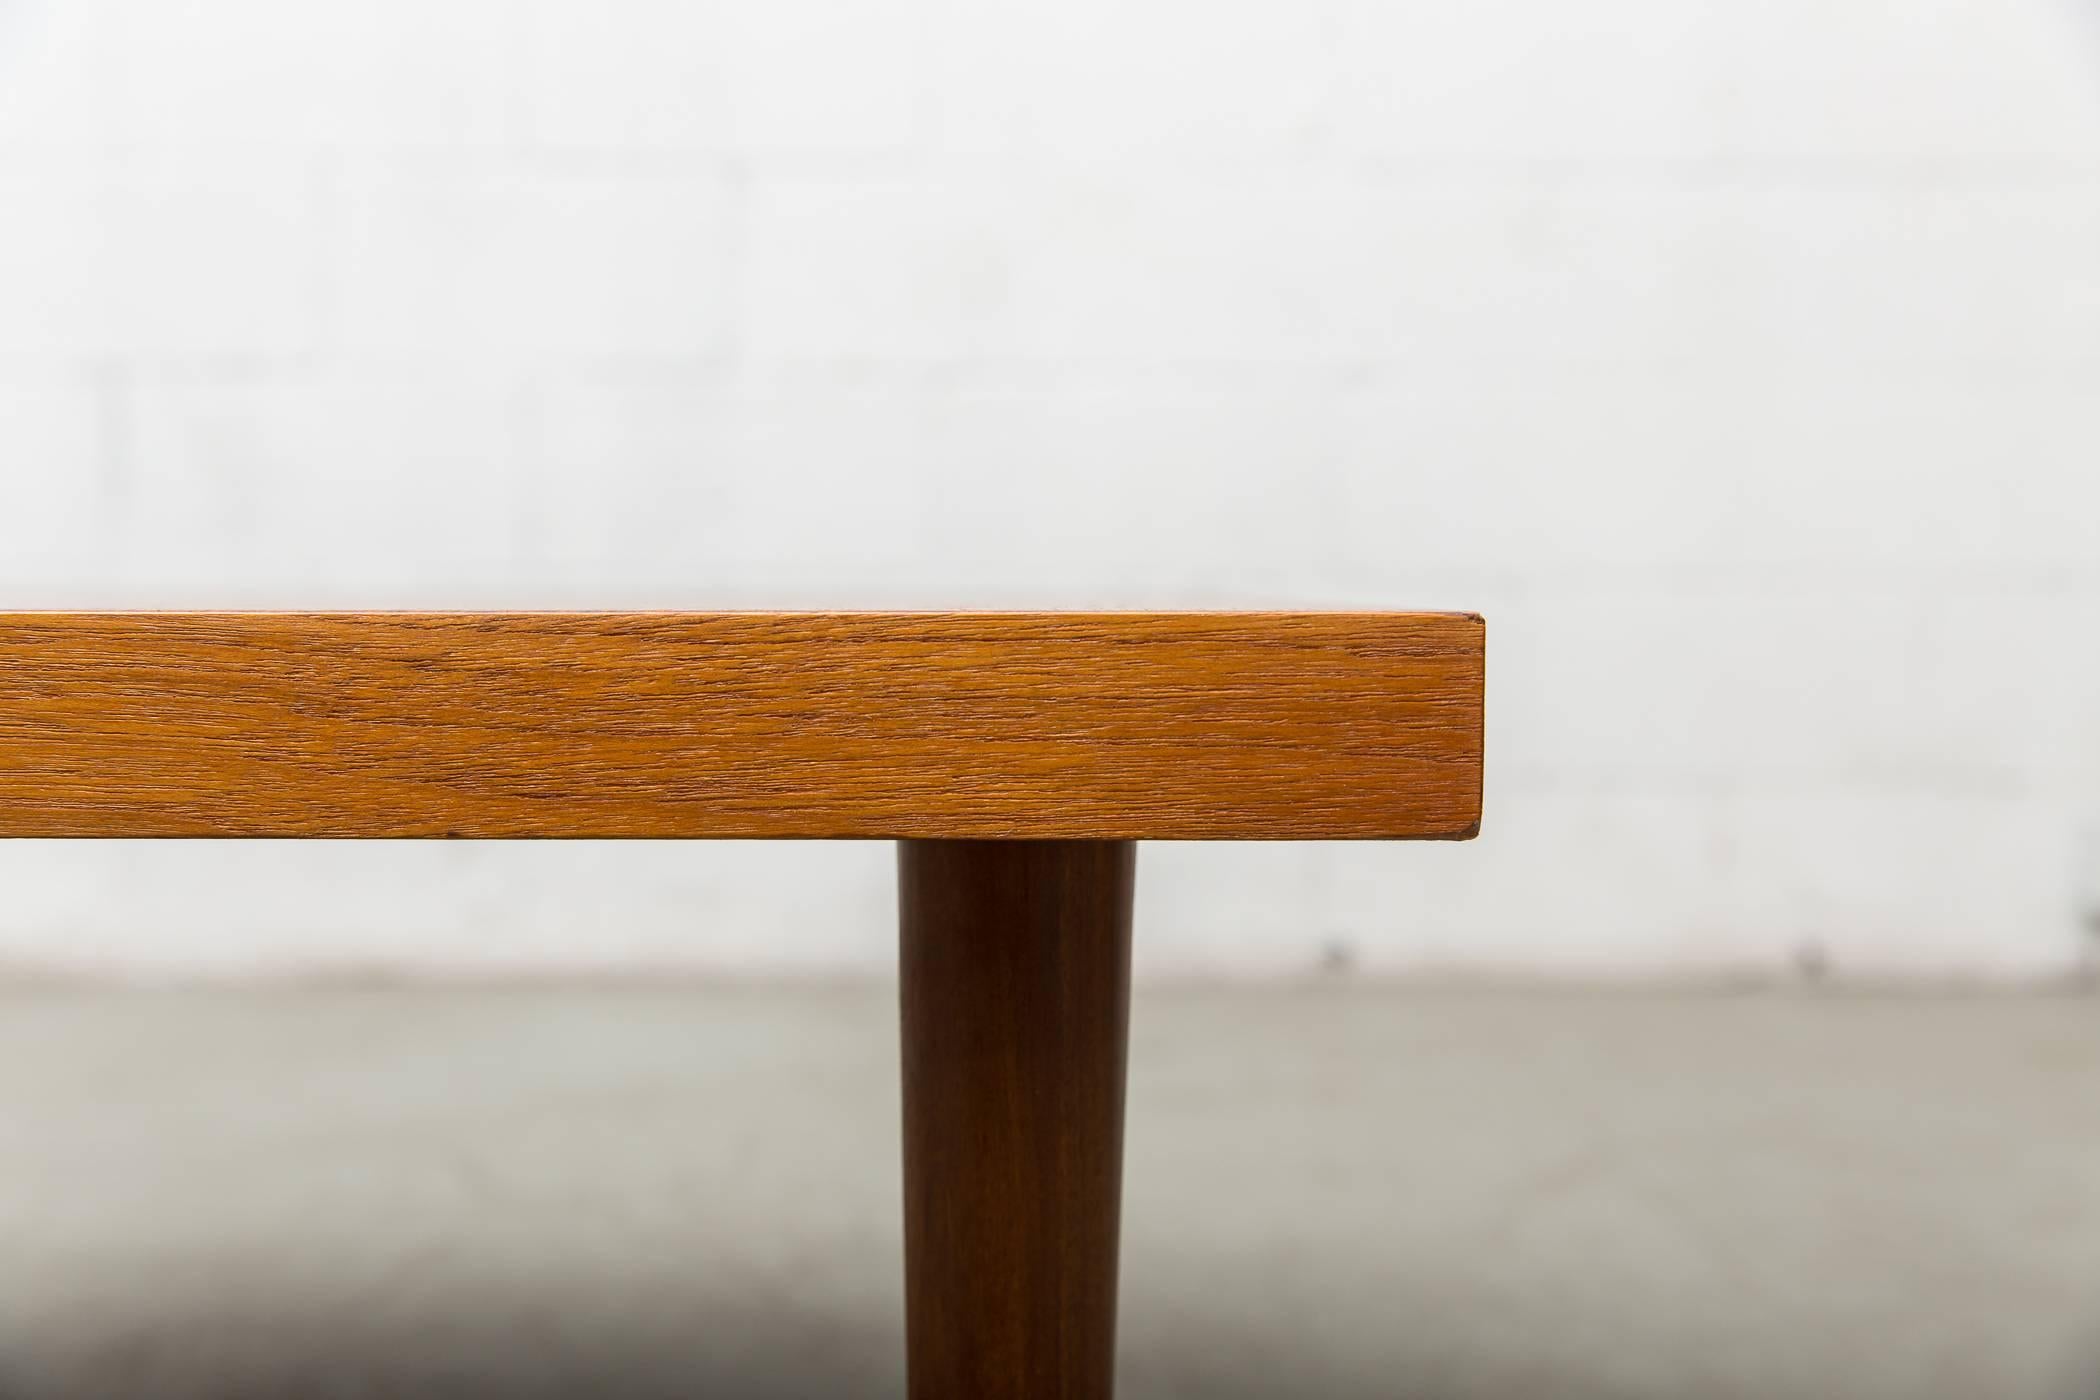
(1336, 1192)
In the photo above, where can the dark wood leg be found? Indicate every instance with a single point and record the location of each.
(1016, 989)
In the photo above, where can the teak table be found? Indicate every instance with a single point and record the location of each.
(1015, 757)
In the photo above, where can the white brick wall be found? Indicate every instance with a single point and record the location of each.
(1738, 358)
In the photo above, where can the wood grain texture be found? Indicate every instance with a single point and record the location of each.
(1015, 976)
(1044, 725)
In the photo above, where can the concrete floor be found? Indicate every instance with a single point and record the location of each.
(1336, 1192)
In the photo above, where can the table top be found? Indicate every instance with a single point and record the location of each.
(1201, 725)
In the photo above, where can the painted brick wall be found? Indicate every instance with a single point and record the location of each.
(1739, 358)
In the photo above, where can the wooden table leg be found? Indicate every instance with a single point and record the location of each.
(1016, 999)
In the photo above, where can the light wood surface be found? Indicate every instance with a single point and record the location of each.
(1042, 725)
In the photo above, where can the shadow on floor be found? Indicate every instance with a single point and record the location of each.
(550, 1341)
(262, 1354)
(724, 1357)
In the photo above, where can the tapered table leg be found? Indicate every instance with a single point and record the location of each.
(1016, 1006)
